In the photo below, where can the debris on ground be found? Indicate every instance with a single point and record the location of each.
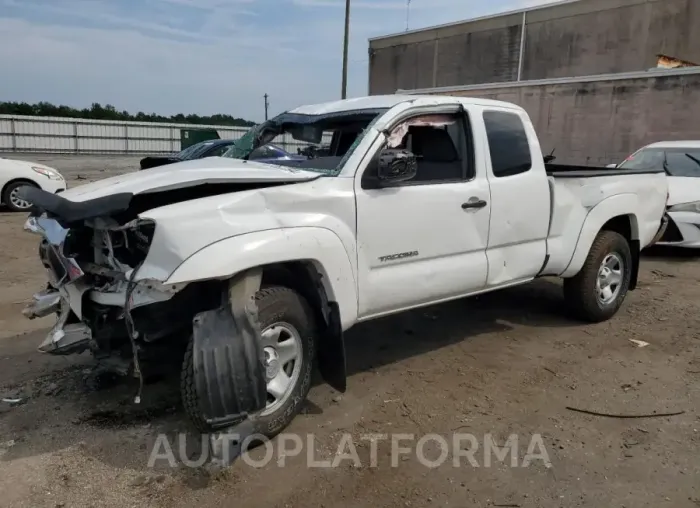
(14, 401)
(639, 343)
(4, 447)
(612, 415)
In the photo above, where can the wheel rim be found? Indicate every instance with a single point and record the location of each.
(283, 358)
(16, 201)
(610, 276)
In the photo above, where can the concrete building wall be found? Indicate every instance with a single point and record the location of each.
(600, 121)
(572, 38)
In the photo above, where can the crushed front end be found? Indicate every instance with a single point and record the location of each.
(138, 325)
(92, 288)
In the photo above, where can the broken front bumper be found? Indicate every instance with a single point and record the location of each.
(64, 337)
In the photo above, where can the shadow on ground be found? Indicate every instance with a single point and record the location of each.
(666, 253)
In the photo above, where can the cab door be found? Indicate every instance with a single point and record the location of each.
(520, 197)
(423, 240)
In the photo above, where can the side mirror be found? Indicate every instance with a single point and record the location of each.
(396, 165)
(611, 166)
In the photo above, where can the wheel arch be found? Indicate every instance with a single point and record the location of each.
(628, 227)
(13, 181)
(616, 213)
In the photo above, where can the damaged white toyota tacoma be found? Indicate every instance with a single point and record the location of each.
(246, 275)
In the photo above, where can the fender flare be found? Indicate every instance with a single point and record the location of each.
(321, 246)
(615, 206)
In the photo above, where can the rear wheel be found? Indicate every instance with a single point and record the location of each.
(11, 197)
(289, 340)
(596, 293)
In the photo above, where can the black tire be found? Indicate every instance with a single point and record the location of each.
(8, 192)
(275, 304)
(580, 291)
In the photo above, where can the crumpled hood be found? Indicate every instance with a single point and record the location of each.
(188, 174)
(683, 190)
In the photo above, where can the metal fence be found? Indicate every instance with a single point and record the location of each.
(75, 135)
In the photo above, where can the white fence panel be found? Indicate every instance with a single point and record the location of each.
(75, 135)
(101, 145)
(44, 144)
(153, 145)
(100, 131)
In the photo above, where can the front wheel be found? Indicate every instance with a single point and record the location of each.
(596, 293)
(288, 334)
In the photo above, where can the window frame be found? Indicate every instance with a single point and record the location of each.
(369, 180)
(517, 115)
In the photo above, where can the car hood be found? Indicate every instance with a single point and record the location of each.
(210, 170)
(20, 164)
(683, 190)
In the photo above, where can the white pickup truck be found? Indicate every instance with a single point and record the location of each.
(247, 274)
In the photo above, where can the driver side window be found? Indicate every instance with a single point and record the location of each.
(441, 145)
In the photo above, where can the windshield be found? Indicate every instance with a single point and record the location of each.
(324, 141)
(192, 150)
(647, 158)
(675, 161)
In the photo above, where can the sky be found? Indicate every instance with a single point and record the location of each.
(202, 56)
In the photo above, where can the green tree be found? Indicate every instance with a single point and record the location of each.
(108, 112)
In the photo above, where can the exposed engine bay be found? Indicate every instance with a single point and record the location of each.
(93, 262)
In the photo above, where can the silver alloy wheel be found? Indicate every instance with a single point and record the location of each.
(283, 350)
(17, 201)
(609, 281)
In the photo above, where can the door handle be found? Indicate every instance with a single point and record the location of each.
(476, 203)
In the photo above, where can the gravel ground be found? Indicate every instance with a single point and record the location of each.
(507, 363)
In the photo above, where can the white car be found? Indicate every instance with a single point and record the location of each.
(14, 174)
(247, 274)
(681, 161)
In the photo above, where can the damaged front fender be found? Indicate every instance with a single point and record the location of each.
(227, 357)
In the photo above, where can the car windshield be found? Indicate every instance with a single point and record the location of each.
(326, 141)
(192, 150)
(647, 158)
(675, 161)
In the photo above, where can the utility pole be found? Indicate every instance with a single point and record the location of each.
(408, 11)
(344, 91)
(267, 105)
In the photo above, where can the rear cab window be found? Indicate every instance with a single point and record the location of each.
(508, 143)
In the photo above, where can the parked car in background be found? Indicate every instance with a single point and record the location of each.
(15, 173)
(681, 162)
(270, 154)
(209, 148)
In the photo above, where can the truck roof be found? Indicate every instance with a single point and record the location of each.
(389, 101)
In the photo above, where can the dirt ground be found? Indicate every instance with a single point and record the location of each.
(505, 363)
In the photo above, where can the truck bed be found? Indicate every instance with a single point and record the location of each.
(567, 171)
